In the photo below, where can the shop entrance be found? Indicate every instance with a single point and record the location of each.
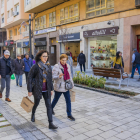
(52, 55)
(73, 48)
(138, 43)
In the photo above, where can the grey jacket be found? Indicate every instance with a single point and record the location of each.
(59, 83)
(70, 62)
(19, 67)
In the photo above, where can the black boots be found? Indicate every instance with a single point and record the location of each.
(33, 117)
(52, 126)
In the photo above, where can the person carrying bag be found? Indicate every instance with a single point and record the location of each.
(63, 82)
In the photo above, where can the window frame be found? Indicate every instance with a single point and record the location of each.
(2, 18)
(15, 32)
(52, 23)
(27, 3)
(2, 3)
(99, 9)
(40, 25)
(69, 19)
(8, 14)
(10, 34)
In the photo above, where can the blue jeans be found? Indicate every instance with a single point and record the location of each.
(67, 98)
(19, 79)
(134, 68)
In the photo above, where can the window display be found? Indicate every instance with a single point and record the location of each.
(102, 53)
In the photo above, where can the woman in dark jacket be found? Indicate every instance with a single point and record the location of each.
(40, 84)
(19, 70)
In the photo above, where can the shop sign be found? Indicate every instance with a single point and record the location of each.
(9, 43)
(68, 37)
(101, 32)
(45, 31)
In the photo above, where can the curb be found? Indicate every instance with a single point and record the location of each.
(101, 91)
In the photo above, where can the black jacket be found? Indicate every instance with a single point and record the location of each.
(137, 58)
(122, 62)
(81, 58)
(19, 67)
(3, 66)
(36, 76)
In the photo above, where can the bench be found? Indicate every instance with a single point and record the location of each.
(114, 73)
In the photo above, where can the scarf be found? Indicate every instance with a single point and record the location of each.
(44, 67)
(66, 73)
(8, 61)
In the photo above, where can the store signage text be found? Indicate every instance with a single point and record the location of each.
(99, 32)
(69, 36)
(45, 31)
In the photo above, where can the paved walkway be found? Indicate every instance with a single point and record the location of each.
(98, 117)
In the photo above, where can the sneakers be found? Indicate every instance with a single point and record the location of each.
(0, 95)
(52, 126)
(71, 118)
(7, 99)
(53, 112)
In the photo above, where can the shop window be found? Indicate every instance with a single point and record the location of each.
(69, 14)
(52, 19)
(2, 18)
(2, 3)
(16, 32)
(99, 7)
(102, 52)
(10, 34)
(40, 22)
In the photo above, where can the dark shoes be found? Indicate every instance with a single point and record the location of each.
(20, 86)
(71, 118)
(53, 112)
(0, 95)
(7, 99)
(33, 118)
(17, 84)
(52, 126)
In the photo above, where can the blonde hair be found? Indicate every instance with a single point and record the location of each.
(63, 56)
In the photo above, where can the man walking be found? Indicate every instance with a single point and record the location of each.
(70, 62)
(82, 60)
(136, 62)
(6, 70)
(19, 70)
(28, 62)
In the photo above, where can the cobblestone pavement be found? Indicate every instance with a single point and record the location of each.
(98, 117)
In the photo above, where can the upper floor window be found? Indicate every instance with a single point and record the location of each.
(11, 12)
(10, 34)
(2, 3)
(2, 18)
(69, 14)
(7, 0)
(28, 2)
(52, 19)
(16, 10)
(99, 7)
(8, 14)
(40, 22)
(15, 31)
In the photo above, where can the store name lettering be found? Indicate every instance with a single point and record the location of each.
(101, 32)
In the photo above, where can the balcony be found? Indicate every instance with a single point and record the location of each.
(40, 5)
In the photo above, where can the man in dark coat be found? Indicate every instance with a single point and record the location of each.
(6, 70)
(19, 70)
(82, 60)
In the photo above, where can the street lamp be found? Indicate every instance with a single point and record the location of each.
(30, 35)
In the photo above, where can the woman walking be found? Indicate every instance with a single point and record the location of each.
(40, 84)
(61, 73)
(118, 61)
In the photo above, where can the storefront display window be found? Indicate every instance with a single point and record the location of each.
(102, 52)
(99, 7)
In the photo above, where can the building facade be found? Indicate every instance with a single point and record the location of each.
(12, 17)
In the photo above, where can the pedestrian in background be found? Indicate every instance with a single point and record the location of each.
(28, 62)
(6, 70)
(19, 70)
(135, 62)
(40, 84)
(118, 61)
(70, 62)
(61, 73)
(82, 60)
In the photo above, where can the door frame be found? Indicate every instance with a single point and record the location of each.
(138, 40)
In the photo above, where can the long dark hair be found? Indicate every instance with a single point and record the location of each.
(117, 55)
(39, 54)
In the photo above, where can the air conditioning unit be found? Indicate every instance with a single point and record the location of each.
(137, 3)
(15, 13)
